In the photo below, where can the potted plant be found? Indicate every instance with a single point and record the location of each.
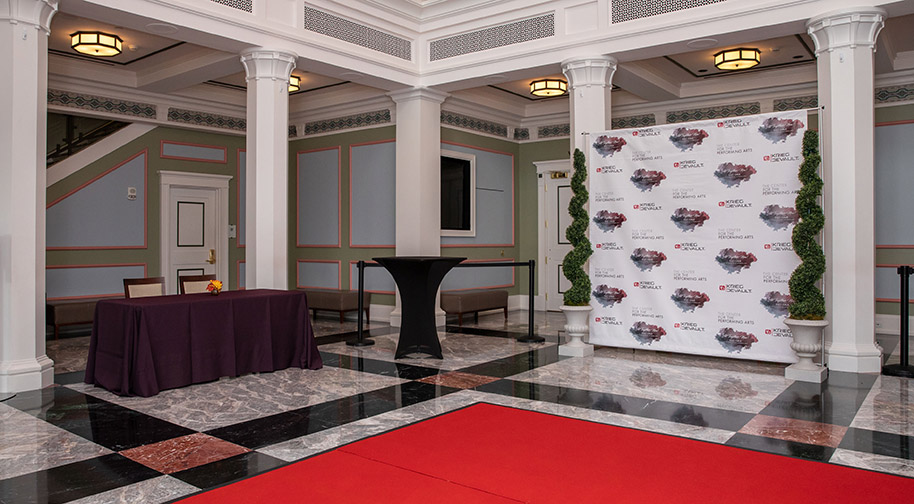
(577, 298)
(807, 312)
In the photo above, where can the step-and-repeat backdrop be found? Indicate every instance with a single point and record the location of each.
(691, 226)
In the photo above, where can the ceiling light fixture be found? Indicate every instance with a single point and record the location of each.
(294, 83)
(737, 59)
(96, 43)
(548, 87)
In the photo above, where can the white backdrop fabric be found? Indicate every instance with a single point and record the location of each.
(691, 226)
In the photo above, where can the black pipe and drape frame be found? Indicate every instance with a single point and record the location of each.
(903, 369)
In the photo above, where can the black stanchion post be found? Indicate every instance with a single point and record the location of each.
(361, 341)
(903, 369)
(530, 338)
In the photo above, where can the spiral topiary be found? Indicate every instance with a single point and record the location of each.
(573, 265)
(808, 301)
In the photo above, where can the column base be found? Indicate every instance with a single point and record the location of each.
(816, 375)
(854, 359)
(26, 374)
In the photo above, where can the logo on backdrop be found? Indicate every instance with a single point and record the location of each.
(734, 203)
(607, 246)
(781, 157)
(608, 321)
(649, 285)
(646, 132)
(735, 341)
(776, 303)
(728, 149)
(608, 296)
(735, 289)
(688, 164)
(779, 247)
(779, 189)
(646, 180)
(686, 138)
(779, 332)
(688, 300)
(733, 234)
(646, 259)
(647, 207)
(606, 273)
(646, 333)
(607, 197)
(778, 130)
(689, 247)
(607, 145)
(734, 261)
(778, 217)
(609, 169)
(688, 276)
(687, 193)
(734, 174)
(733, 123)
(689, 326)
(775, 277)
(608, 221)
(688, 220)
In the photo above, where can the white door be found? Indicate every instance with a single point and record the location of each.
(194, 227)
(557, 196)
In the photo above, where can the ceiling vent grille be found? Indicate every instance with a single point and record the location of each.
(627, 10)
(496, 36)
(245, 5)
(354, 33)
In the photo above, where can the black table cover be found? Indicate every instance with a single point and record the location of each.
(418, 278)
(143, 345)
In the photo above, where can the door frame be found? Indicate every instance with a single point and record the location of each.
(220, 183)
(543, 169)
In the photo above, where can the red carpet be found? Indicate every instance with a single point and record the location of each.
(486, 453)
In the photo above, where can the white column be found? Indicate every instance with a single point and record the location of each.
(845, 41)
(418, 178)
(267, 191)
(24, 30)
(590, 81)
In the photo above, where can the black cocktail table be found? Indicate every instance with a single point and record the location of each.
(418, 278)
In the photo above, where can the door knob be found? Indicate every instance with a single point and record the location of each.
(212, 256)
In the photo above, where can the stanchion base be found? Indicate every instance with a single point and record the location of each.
(898, 370)
(364, 342)
(531, 339)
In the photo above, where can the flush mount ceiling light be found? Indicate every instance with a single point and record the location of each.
(737, 59)
(95, 43)
(294, 84)
(548, 87)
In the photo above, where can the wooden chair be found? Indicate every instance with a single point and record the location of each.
(195, 284)
(144, 287)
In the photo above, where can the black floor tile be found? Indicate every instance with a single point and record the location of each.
(405, 371)
(495, 333)
(228, 470)
(781, 447)
(292, 424)
(108, 424)
(74, 481)
(617, 403)
(515, 364)
(353, 335)
(835, 402)
(880, 443)
(70, 378)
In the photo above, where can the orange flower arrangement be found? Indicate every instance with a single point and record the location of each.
(214, 287)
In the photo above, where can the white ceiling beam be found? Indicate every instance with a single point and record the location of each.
(171, 74)
(638, 79)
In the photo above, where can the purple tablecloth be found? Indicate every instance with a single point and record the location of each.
(144, 345)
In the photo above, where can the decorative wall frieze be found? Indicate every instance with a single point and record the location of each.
(293, 131)
(101, 104)
(521, 134)
(796, 103)
(554, 131)
(895, 93)
(700, 114)
(348, 122)
(206, 119)
(472, 123)
(636, 121)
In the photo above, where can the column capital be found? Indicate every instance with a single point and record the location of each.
(590, 71)
(37, 13)
(846, 28)
(418, 93)
(268, 64)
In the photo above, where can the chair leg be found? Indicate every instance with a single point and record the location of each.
(341, 316)
(506, 313)
(460, 319)
(476, 317)
(56, 331)
(367, 314)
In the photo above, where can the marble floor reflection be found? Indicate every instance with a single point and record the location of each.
(73, 442)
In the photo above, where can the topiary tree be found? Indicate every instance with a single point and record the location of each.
(808, 301)
(573, 265)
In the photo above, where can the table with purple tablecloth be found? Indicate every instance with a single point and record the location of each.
(143, 345)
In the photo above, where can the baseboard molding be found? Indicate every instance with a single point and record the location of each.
(890, 324)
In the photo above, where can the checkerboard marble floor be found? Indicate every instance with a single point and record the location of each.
(77, 443)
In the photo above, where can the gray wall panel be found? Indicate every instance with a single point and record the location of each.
(319, 198)
(320, 275)
(90, 281)
(894, 178)
(377, 279)
(887, 283)
(241, 270)
(99, 215)
(494, 199)
(194, 152)
(373, 188)
(478, 278)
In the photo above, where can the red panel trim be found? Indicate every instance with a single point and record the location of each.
(894, 123)
(350, 196)
(894, 247)
(199, 160)
(111, 265)
(366, 290)
(339, 273)
(238, 189)
(339, 197)
(469, 261)
(145, 205)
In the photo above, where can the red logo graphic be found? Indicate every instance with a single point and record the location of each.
(598, 170)
(637, 284)
(676, 324)
(723, 287)
(599, 245)
(721, 203)
(767, 331)
(597, 319)
(636, 206)
(767, 158)
(767, 246)
(675, 165)
(634, 133)
(678, 246)
(720, 125)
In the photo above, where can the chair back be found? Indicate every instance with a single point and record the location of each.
(144, 287)
(194, 284)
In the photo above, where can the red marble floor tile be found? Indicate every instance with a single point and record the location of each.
(801, 431)
(173, 455)
(457, 379)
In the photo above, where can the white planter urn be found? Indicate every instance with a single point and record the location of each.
(576, 327)
(807, 337)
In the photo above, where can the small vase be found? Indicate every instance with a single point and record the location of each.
(214, 292)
